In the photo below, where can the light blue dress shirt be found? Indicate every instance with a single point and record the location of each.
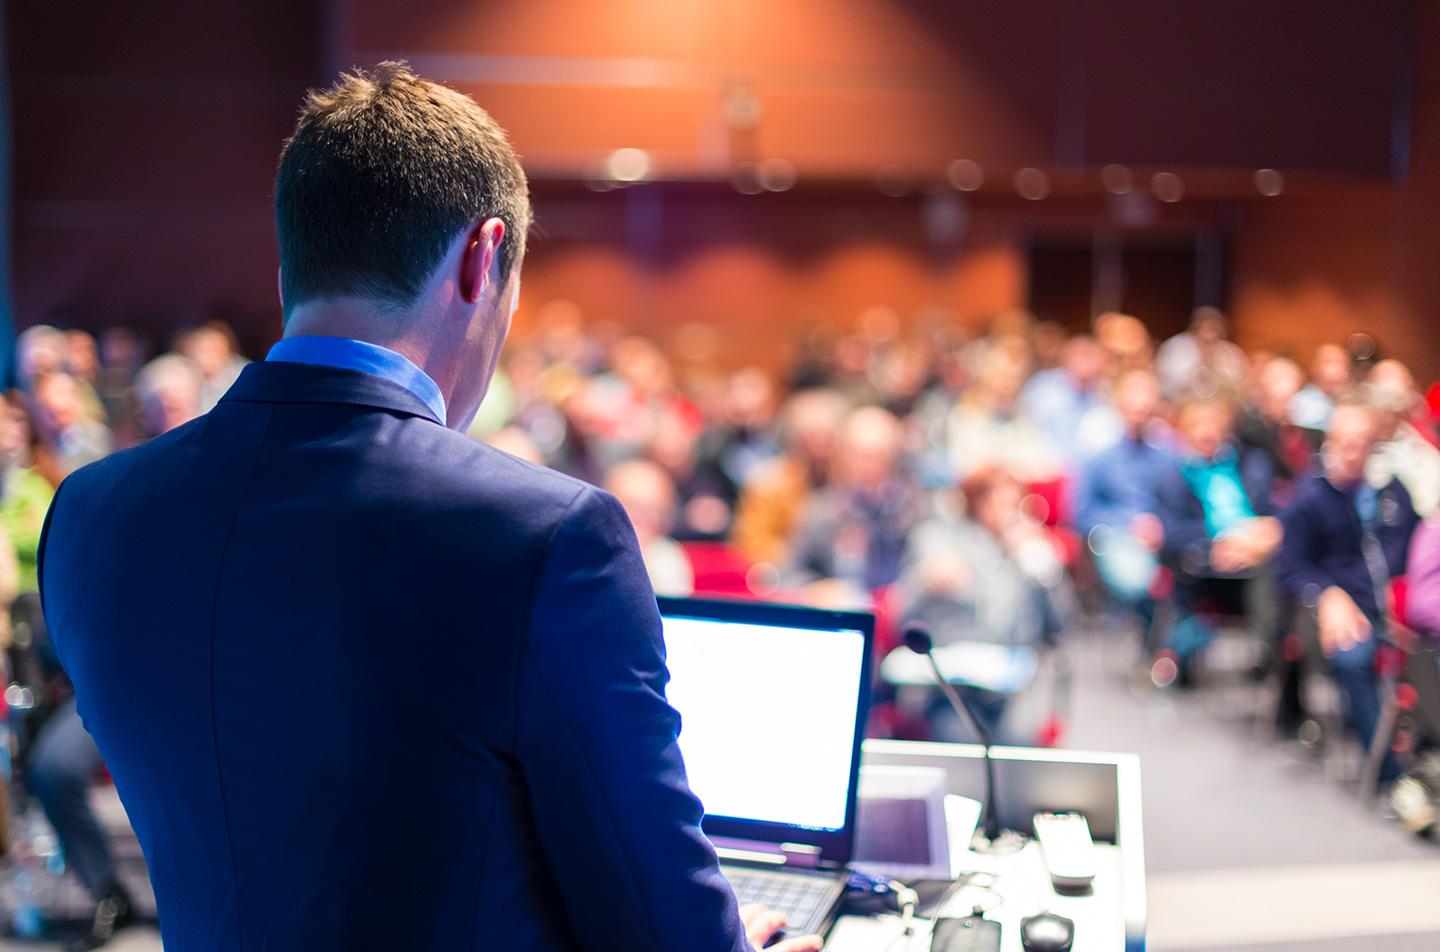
(366, 358)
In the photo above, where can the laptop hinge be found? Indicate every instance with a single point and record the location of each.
(801, 855)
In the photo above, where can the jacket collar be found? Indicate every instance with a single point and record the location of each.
(283, 382)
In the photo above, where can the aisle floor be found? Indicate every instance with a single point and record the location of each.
(1249, 845)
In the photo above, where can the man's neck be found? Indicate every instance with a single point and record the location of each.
(363, 321)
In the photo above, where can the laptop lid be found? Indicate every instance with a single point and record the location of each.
(773, 701)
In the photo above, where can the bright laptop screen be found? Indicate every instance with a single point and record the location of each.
(768, 717)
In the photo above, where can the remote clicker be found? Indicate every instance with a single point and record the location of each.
(1069, 850)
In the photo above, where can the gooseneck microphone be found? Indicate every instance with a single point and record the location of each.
(918, 639)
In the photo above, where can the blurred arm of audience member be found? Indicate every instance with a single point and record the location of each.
(1096, 505)
(1342, 624)
(1423, 577)
(1247, 544)
(1148, 530)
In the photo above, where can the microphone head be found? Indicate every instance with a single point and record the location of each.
(917, 637)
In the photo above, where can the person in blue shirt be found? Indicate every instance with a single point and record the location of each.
(1070, 403)
(1344, 541)
(1116, 500)
(1220, 531)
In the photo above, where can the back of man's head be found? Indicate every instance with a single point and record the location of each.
(383, 172)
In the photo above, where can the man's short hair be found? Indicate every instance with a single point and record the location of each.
(383, 172)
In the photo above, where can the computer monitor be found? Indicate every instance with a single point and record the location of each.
(773, 701)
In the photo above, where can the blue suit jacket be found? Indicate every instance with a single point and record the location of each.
(364, 683)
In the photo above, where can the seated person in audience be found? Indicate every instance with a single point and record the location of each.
(987, 426)
(68, 437)
(1422, 576)
(1343, 543)
(851, 370)
(627, 404)
(1216, 512)
(1403, 451)
(904, 371)
(24, 494)
(1126, 340)
(647, 494)
(743, 439)
(852, 533)
(1116, 505)
(706, 501)
(42, 350)
(122, 352)
(1266, 425)
(63, 759)
(1331, 374)
(212, 348)
(1201, 359)
(169, 393)
(39, 349)
(773, 499)
(985, 576)
(1071, 404)
(82, 361)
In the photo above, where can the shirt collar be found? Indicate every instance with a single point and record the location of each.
(364, 357)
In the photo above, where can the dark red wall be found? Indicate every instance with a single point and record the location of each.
(145, 142)
(146, 135)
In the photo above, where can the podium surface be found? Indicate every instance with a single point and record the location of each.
(1104, 786)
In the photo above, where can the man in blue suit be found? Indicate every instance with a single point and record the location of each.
(397, 689)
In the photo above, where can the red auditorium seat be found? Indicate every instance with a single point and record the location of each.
(719, 569)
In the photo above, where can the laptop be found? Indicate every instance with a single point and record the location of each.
(773, 701)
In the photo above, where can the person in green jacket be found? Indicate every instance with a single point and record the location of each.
(24, 494)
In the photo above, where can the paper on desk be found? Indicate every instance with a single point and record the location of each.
(962, 815)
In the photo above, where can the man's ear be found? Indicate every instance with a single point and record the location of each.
(481, 251)
(280, 287)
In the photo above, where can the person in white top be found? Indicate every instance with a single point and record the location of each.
(1401, 451)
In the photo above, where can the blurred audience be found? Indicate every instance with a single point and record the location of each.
(1126, 340)
(1219, 529)
(1405, 446)
(1266, 425)
(985, 576)
(988, 427)
(1331, 374)
(853, 532)
(1116, 502)
(973, 477)
(779, 490)
(212, 348)
(647, 494)
(69, 435)
(1422, 609)
(1070, 403)
(169, 392)
(24, 494)
(1202, 360)
(1344, 540)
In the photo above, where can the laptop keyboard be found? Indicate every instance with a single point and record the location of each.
(803, 898)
